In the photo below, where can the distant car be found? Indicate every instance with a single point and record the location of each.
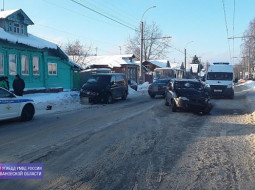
(12, 106)
(132, 84)
(158, 87)
(104, 88)
(189, 95)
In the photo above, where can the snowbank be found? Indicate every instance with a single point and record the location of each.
(70, 100)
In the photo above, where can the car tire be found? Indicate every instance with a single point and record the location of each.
(109, 99)
(27, 113)
(174, 107)
(124, 97)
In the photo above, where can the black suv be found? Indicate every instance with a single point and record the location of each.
(104, 88)
(188, 94)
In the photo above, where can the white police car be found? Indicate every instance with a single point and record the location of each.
(12, 106)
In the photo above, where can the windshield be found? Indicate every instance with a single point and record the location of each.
(99, 79)
(188, 85)
(219, 76)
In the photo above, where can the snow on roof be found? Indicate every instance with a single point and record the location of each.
(109, 60)
(159, 63)
(5, 14)
(29, 40)
(175, 65)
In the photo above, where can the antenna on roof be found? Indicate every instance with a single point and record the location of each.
(3, 6)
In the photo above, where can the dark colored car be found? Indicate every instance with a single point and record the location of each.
(104, 88)
(132, 84)
(158, 87)
(189, 95)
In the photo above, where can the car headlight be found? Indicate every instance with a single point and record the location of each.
(184, 98)
(229, 86)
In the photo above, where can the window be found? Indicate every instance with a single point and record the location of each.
(24, 65)
(10, 26)
(52, 69)
(1, 63)
(36, 70)
(113, 80)
(22, 29)
(5, 94)
(16, 28)
(12, 64)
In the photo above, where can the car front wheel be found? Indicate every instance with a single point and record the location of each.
(124, 97)
(109, 99)
(27, 113)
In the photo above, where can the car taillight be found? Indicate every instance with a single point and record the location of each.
(150, 87)
(164, 86)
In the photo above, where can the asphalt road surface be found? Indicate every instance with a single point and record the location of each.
(136, 144)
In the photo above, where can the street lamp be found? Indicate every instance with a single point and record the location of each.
(185, 58)
(141, 43)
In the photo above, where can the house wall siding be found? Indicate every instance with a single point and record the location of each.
(64, 77)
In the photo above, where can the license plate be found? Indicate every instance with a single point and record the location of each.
(84, 100)
(215, 90)
(155, 88)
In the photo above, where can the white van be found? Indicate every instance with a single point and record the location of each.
(220, 80)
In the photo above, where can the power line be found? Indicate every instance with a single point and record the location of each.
(224, 10)
(112, 12)
(234, 30)
(95, 11)
(55, 29)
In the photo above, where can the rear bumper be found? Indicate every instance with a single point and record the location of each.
(160, 92)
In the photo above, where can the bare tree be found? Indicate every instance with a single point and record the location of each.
(154, 47)
(248, 47)
(78, 52)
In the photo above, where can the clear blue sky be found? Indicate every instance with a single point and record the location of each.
(200, 21)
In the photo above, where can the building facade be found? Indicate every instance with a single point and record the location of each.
(42, 64)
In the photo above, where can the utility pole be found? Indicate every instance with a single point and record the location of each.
(249, 63)
(96, 50)
(120, 49)
(185, 62)
(141, 53)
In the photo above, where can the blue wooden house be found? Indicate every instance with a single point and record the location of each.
(42, 64)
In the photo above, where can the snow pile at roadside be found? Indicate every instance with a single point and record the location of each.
(141, 90)
(250, 84)
(143, 87)
(57, 101)
(70, 100)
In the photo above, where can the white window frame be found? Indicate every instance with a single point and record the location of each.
(26, 64)
(18, 28)
(15, 63)
(2, 63)
(51, 70)
(38, 64)
(10, 27)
